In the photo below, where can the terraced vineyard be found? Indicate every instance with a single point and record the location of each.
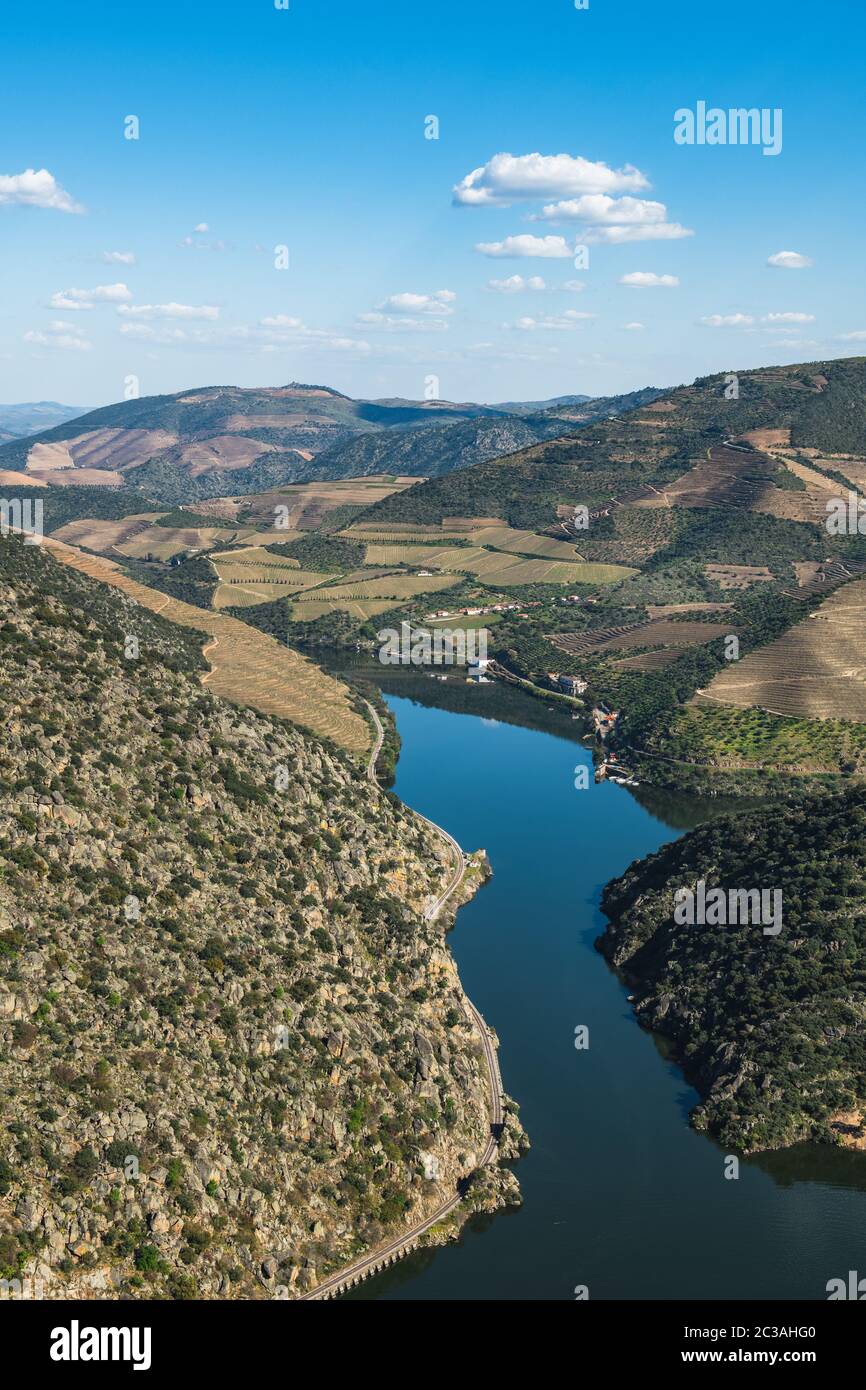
(246, 665)
(815, 670)
(736, 476)
(497, 567)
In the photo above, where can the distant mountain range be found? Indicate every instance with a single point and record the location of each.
(30, 418)
(225, 440)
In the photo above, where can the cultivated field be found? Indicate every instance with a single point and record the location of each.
(247, 666)
(741, 479)
(308, 503)
(399, 587)
(661, 633)
(104, 535)
(656, 633)
(496, 567)
(138, 537)
(649, 661)
(98, 456)
(815, 670)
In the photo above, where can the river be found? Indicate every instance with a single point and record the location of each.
(620, 1195)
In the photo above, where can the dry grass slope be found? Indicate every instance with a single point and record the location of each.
(247, 667)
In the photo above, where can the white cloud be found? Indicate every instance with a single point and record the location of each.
(634, 326)
(437, 304)
(170, 311)
(546, 247)
(281, 321)
(201, 227)
(401, 323)
(66, 337)
(36, 188)
(648, 280)
(85, 299)
(508, 178)
(515, 284)
(858, 336)
(602, 210)
(747, 320)
(280, 332)
(619, 236)
(570, 319)
(727, 320)
(789, 260)
(576, 286)
(121, 257)
(203, 245)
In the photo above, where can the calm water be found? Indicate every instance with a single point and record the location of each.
(619, 1194)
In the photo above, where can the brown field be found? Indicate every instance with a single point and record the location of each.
(665, 634)
(112, 450)
(9, 478)
(103, 535)
(222, 452)
(308, 503)
(732, 478)
(162, 542)
(46, 457)
(738, 576)
(649, 661)
(855, 472)
(765, 439)
(657, 633)
(137, 537)
(247, 667)
(82, 477)
(815, 670)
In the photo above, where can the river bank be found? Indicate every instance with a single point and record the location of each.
(619, 1193)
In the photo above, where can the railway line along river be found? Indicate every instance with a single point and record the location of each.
(619, 1193)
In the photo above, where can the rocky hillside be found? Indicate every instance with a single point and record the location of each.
(233, 1052)
(771, 1029)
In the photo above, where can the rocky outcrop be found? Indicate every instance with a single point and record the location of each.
(233, 1053)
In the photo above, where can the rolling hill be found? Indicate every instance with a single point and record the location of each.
(224, 440)
(721, 505)
(34, 416)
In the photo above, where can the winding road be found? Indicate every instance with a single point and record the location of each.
(401, 1245)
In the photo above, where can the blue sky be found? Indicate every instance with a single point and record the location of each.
(305, 128)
